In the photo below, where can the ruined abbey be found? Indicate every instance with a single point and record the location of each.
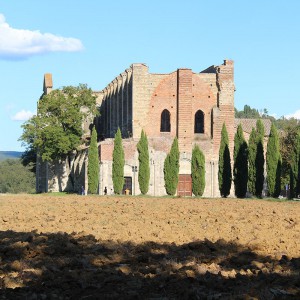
(192, 106)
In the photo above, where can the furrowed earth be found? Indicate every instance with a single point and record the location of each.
(92, 247)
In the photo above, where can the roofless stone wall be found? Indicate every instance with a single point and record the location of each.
(192, 106)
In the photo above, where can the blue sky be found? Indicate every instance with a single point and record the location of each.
(92, 41)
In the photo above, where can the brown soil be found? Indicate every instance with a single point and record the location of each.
(89, 247)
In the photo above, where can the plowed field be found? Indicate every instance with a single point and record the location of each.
(92, 247)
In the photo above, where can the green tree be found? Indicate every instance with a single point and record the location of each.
(198, 171)
(240, 167)
(171, 169)
(295, 169)
(224, 174)
(56, 130)
(93, 164)
(15, 178)
(273, 160)
(252, 149)
(247, 113)
(28, 158)
(144, 168)
(118, 163)
(288, 138)
(256, 160)
(260, 159)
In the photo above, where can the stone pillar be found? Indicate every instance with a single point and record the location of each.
(124, 105)
(184, 110)
(115, 107)
(225, 83)
(129, 101)
(140, 98)
(110, 109)
(119, 102)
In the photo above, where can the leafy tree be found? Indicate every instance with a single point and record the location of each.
(288, 138)
(273, 160)
(252, 113)
(295, 169)
(28, 158)
(171, 169)
(198, 171)
(15, 178)
(247, 113)
(286, 124)
(144, 168)
(224, 174)
(252, 149)
(93, 164)
(57, 128)
(118, 163)
(240, 167)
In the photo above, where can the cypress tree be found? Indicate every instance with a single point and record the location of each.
(273, 160)
(93, 164)
(144, 168)
(240, 168)
(295, 169)
(260, 159)
(198, 171)
(252, 148)
(118, 163)
(224, 174)
(171, 169)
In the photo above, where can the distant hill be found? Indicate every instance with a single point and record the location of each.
(9, 154)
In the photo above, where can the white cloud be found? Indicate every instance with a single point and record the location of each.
(22, 115)
(295, 115)
(22, 43)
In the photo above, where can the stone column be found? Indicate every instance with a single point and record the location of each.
(119, 102)
(129, 101)
(110, 109)
(115, 107)
(124, 112)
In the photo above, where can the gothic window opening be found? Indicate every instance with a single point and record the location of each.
(199, 122)
(165, 125)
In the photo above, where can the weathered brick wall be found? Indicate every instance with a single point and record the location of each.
(225, 83)
(184, 109)
(163, 95)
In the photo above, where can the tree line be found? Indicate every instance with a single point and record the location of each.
(248, 172)
(15, 178)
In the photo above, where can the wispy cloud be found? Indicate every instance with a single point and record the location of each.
(22, 115)
(22, 43)
(295, 115)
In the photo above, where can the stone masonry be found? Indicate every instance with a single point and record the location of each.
(189, 105)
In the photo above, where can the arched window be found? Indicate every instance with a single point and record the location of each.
(165, 125)
(199, 122)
